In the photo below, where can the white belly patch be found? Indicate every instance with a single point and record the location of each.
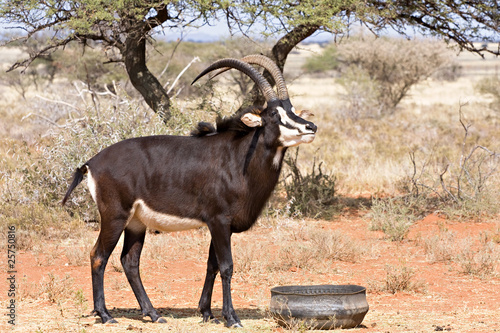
(142, 216)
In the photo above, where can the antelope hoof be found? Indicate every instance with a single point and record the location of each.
(110, 321)
(214, 321)
(210, 319)
(233, 324)
(161, 320)
(106, 319)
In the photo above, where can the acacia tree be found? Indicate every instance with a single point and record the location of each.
(460, 22)
(124, 25)
(128, 24)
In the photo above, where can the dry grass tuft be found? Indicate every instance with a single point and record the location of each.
(78, 254)
(401, 278)
(478, 257)
(441, 247)
(334, 245)
(57, 290)
(479, 260)
(157, 246)
(394, 216)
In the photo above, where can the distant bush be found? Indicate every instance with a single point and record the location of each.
(88, 65)
(362, 94)
(393, 65)
(326, 61)
(98, 67)
(378, 73)
(451, 71)
(16, 80)
(490, 86)
(167, 60)
(75, 63)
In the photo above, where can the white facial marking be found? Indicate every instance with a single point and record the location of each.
(284, 117)
(294, 133)
(142, 214)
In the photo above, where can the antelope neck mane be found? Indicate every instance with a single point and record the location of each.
(226, 124)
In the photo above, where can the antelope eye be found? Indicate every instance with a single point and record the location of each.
(273, 113)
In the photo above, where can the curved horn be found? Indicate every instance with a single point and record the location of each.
(272, 68)
(244, 67)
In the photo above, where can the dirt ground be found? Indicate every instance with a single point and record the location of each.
(446, 299)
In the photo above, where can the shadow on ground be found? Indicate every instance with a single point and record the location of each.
(179, 313)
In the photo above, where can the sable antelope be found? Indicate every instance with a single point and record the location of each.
(217, 177)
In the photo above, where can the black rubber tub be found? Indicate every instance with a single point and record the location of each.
(319, 307)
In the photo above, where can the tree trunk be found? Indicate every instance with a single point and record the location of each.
(286, 44)
(279, 53)
(134, 55)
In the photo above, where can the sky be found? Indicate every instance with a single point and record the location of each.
(221, 31)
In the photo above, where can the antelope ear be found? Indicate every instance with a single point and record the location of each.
(251, 120)
(304, 114)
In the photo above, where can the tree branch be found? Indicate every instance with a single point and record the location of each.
(26, 62)
(161, 17)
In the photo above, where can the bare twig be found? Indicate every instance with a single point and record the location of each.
(195, 59)
(463, 160)
(415, 179)
(80, 93)
(93, 95)
(59, 102)
(171, 57)
(443, 184)
(41, 117)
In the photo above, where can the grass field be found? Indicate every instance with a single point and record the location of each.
(443, 275)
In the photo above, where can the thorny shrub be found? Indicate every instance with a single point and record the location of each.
(460, 186)
(311, 194)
